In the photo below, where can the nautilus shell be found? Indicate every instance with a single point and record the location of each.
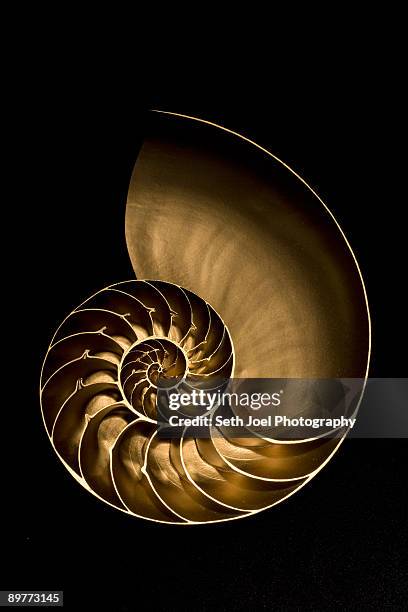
(252, 278)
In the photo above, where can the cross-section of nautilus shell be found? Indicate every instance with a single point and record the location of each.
(253, 279)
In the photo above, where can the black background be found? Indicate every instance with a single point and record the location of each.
(339, 542)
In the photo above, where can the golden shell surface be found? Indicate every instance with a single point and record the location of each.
(273, 262)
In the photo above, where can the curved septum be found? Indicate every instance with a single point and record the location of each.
(102, 373)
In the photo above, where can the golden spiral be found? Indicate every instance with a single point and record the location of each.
(264, 252)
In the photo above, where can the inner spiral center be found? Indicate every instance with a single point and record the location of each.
(171, 364)
(150, 364)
